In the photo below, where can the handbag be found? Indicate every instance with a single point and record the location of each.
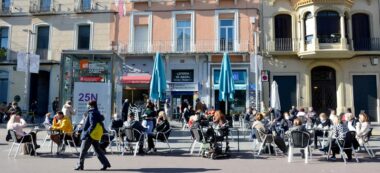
(97, 133)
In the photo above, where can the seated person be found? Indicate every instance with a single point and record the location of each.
(134, 124)
(217, 130)
(62, 124)
(297, 126)
(260, 127)
(323, 122)
(339, 132)
(362, 128)
(350, 121)
(194, 118)
(47, 122)
(18, 124)
(161, 126)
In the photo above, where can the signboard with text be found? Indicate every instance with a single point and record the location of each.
(182, 75)
(87, 91)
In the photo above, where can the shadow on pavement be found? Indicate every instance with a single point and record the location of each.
(163, 170)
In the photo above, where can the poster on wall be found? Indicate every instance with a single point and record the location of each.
(87, 91)
(119, 99)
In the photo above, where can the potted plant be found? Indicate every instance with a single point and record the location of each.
(3, 53)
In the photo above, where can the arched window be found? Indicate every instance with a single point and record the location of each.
(361, 32)
(283, 32)
(4, 86)
(308, 27)
(328, 27)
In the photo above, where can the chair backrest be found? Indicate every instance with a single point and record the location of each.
(197, 134)
(369, 133)
(264, 136)
(132, 135)
(13, 135)
(299, 139)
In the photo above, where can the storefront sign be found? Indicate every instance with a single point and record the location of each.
(239, 76)
(92, 66)
(183, 86)
(182, 75)
(91, 79)
(87, 91)
(96, 67)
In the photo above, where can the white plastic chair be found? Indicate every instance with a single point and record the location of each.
(18, 144)
(132, 139)
(198, 139)
(299, 139)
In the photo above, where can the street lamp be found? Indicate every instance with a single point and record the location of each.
(27, 71)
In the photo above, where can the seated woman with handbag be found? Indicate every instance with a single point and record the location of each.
(18, 124)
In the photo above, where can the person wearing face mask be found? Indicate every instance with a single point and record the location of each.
(93, 126)
(323, 122)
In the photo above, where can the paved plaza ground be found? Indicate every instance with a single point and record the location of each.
(179, 160)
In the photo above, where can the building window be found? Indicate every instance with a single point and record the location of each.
(85, 4)
(361, 33)
(4, 37)
(283, 32)
(328, 27)
(226, 35)
(3, 42)
(4, 86)
(84, 32)
(45, 5)
(183, 30)
(5, 5)
(42, 41)
(141, 38)
(308, 27)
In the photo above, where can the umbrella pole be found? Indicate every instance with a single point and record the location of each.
(226, 110)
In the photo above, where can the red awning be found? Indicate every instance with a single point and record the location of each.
(143, 79)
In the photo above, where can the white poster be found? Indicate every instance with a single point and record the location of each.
(34, 63)
(87, 91)
(21, 61)
(119, 99)
(309, 24)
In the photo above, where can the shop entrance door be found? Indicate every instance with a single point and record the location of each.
(39, 91)
(323, 85)
(178, 98)
(287, 89)
(365, 95)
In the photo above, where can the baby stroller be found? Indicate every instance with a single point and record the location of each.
(216, 138)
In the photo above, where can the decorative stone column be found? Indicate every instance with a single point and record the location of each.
(343, 40)
(315, 38)
(302, 35)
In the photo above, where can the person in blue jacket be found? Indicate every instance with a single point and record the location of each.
(90, 122)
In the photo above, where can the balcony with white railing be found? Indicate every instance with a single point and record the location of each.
(170, 46)
(38, 7)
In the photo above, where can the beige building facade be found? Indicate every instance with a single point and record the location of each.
(323, 54)
(54, 26)
(191, 35)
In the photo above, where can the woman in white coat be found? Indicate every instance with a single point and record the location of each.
(362, 128)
